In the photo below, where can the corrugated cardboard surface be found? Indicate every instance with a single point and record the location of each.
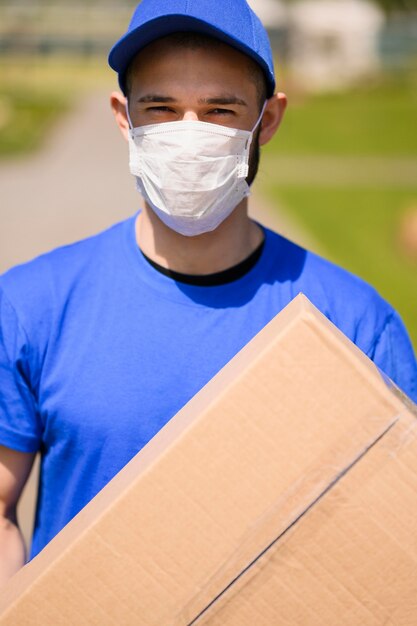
(350, 559)
(283, 493)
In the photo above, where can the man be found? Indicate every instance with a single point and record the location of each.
(102, 342)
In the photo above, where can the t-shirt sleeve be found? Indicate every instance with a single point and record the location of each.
(20, 427)
(393, 354)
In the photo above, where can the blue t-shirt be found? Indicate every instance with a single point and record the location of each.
(98, 350)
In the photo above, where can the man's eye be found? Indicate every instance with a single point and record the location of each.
(164, 109)
(222, 112)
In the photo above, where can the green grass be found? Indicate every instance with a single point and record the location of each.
(377, 119)
(355, 224)
(35, 92)
(24, 119)
(360, 230)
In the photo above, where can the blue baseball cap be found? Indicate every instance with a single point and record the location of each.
(230, 21)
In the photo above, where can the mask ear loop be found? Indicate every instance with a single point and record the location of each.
(260, 116)
(249, 141)
(243, 169)
(128, 115)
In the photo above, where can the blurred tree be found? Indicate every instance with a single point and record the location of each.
(390, 6)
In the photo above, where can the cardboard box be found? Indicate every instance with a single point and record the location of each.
(284, 494)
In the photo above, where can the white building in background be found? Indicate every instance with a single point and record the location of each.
(272, 13)
(333, 43)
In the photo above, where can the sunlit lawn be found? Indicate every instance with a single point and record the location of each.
(354, 223)
(376, 118)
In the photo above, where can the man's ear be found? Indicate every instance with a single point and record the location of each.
(271, 119)
(118, 105)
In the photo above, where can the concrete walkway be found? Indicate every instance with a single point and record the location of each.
(76, 185)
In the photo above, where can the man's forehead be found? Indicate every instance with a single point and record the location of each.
(174, 60)
(192, 44)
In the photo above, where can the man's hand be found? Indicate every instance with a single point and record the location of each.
(14, 471)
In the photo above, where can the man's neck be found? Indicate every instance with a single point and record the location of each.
(233, 241)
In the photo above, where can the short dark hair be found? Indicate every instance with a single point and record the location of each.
(197, 41)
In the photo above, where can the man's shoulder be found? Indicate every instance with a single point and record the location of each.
(311, 266)
(346, 299)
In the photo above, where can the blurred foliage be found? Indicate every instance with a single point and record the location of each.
(48, 3)
(24, 119)
(391, 6)
(35, 92)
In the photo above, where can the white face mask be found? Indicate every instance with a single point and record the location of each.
(192, 174)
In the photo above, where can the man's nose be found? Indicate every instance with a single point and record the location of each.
(190, 116)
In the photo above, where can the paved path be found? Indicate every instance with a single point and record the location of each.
(76, 185)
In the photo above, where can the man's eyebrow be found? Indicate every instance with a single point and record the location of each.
(223, 100)
(151, 97)
(217, 100)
